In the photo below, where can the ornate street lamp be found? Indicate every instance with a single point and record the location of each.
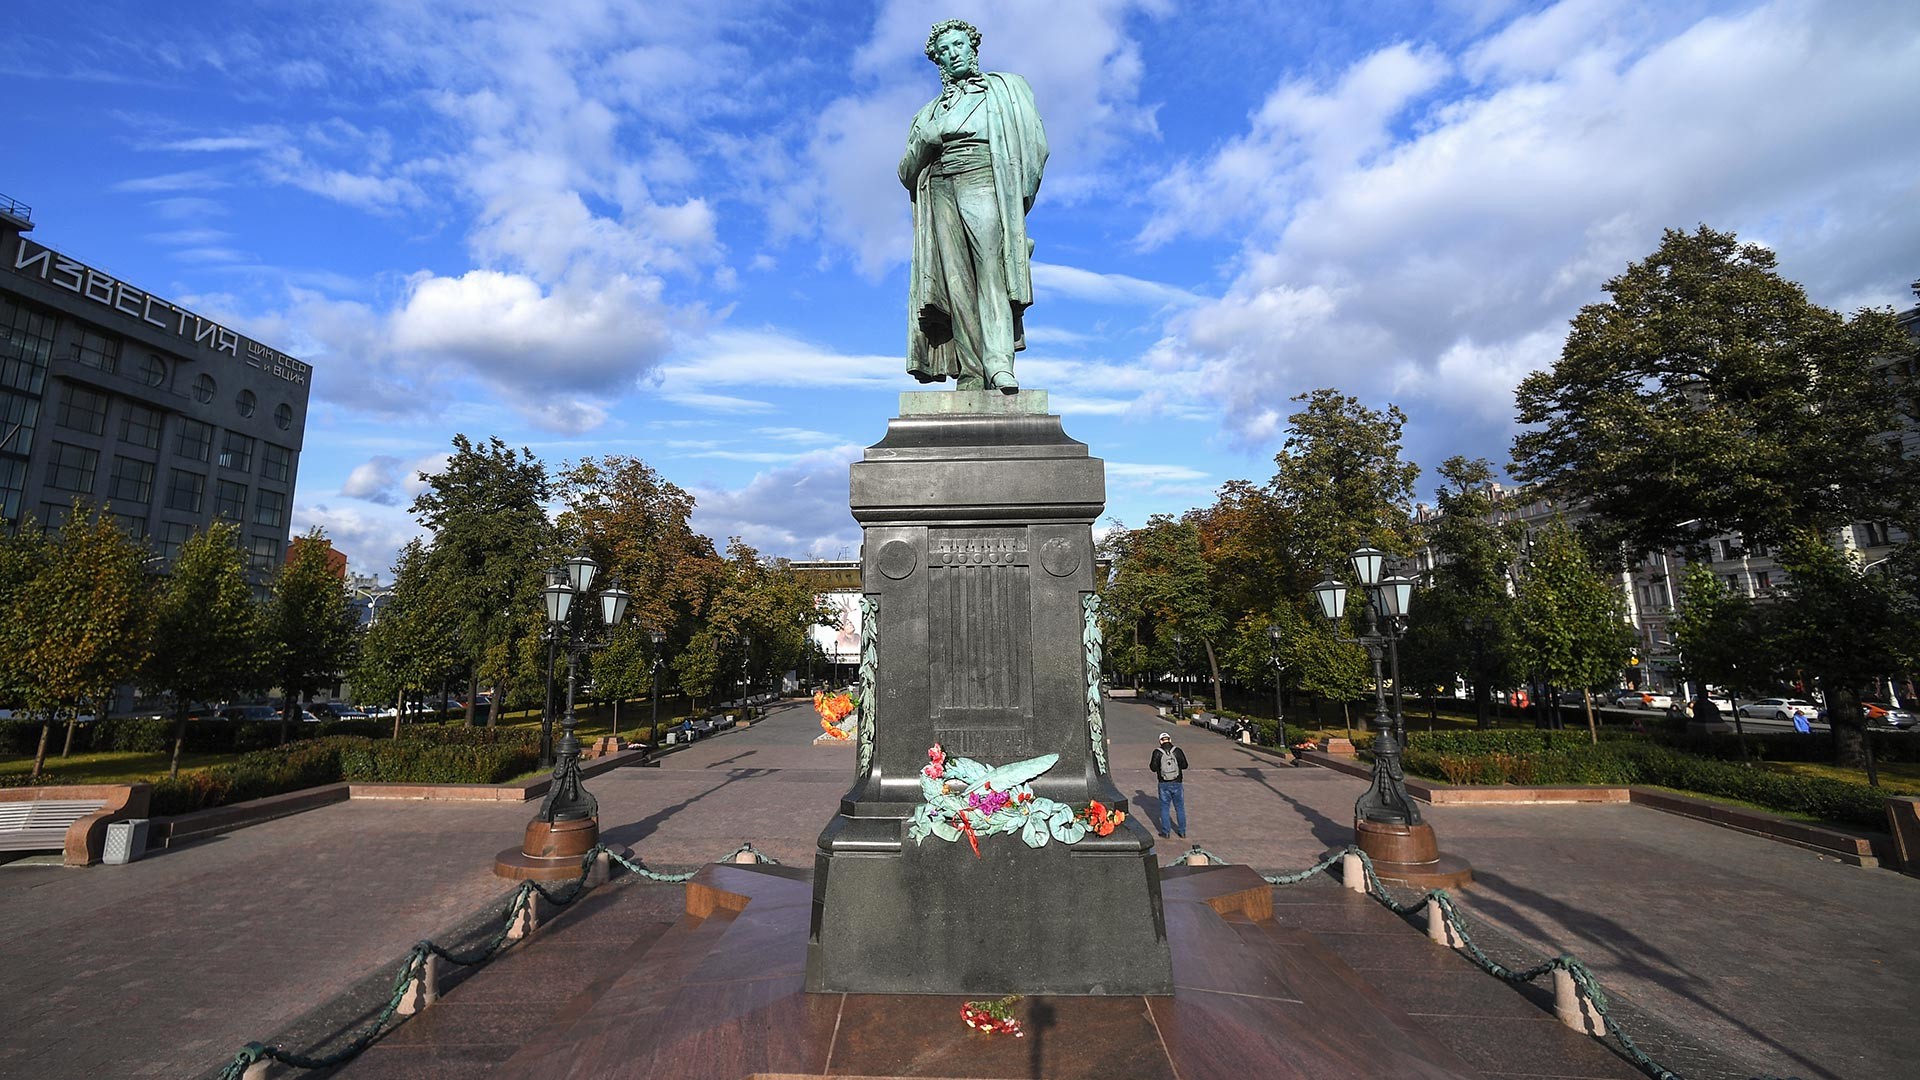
(1179, 670)
(1387, 823)
(746, 660)
(1273, 657)
(568, 825)
(659, 657)
(556, 577)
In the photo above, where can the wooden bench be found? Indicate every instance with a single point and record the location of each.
(70, 819)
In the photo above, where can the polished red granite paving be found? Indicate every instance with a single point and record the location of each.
(718, 993)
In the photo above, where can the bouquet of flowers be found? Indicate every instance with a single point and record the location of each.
(834, 710)
(993, 1017)
(962, 797)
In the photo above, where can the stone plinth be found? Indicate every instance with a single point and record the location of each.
(1410, 855)
(978, 564)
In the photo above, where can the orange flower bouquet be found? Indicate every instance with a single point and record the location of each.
(833, 709)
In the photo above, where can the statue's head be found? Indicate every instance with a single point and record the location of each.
(954, 44)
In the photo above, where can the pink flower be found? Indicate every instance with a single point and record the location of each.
(936, 767)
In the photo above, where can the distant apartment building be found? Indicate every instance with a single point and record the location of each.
(117, 398)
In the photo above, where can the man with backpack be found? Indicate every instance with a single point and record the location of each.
(1170, 765)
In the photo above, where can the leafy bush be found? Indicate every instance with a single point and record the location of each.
(1629, 761)
(449, 756)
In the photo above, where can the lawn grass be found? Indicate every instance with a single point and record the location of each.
(111, 766)
(1897, 777)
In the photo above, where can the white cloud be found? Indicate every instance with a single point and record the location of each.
(1410, 234)
(769, 358)
(1099, 288)
(799, 510)
(370, 536)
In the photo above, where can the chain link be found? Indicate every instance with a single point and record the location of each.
(414, 966)
(1585, 984)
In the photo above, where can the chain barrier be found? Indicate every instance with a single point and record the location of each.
(1586, 986)
(414, 966)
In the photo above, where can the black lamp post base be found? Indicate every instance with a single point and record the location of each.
(1409, 855)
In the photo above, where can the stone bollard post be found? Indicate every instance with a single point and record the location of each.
(257, 1070)
(422, 988)
(528, 921)
(1440, 929)
(1352, 874)
(745, 857)
(1573, 1009)
(599, 870)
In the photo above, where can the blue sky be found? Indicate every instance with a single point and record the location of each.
(673, 230)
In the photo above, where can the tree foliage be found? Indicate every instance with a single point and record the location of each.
(312, 631)
(1709, 395)
(207, 632)
(1570, 618)
(77, 626)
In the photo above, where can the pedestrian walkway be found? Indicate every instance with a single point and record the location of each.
(1758, 952)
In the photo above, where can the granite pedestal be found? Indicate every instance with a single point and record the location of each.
(977, 571)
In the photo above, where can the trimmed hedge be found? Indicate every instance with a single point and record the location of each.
(450, 756)
(1628, 761)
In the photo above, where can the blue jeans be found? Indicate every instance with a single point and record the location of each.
(1173, 802)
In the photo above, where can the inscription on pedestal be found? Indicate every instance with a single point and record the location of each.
(978, 641)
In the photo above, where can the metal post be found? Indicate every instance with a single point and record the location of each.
(1385, 800)
(567, 798)
(546, 714)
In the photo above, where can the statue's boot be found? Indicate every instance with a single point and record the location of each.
(1004, 382)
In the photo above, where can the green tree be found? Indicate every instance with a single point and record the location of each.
(206, 635)
(1720, 639)
(1842, 627)
(312, 630)
(79, 623)
(1459, 626)
(1709, 395)
(1571, 629)
(1163, 586)
(491, 543)
(1339, 485)
(413, 643)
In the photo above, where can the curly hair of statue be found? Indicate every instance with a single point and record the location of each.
(933, 35)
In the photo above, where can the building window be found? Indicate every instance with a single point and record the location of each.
(277, 463)
(195, 440)
(82, 410)
(97, 349)
(153, 370)
(204, 388)
(186, 491)
(1730, 549)
(1733, 582)
(172, 535)
(140, 426)
(1759, 551)
(1871, 534)
(134, 525)
(263, 553)
(283, 416)
(13, 484)
(71, 468)
(54, 515)
(270, 509)
(26, 344)
(246, 403)
(236, 452)
(132, 482)
(18, 416)
(230, 500)
(1762, 581)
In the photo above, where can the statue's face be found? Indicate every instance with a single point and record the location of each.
(953, 51)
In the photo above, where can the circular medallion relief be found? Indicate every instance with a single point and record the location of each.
(1059, 556)
(895, 559)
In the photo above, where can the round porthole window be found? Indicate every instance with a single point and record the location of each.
(154, 371)
(283, 416)
(246, 402)
(203, 388)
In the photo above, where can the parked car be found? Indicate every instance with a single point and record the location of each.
(1879, 712)
(249, 712)
(1775, 708)
(1648, 699)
